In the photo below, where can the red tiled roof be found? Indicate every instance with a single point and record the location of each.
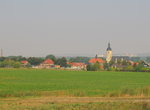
(94, 60)
(48, 61)
(24, 62)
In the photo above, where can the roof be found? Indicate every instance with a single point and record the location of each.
(48, 61)
(24, 62)
(94, 60)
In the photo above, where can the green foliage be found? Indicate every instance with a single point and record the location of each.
(106, 66)
(52, 57)
(35, 60)
(62, 62)
(93, 67)
(80, 59)
(148, 59)
(135, 59)
(138, 67)
(10, 64)
(129, 68)
(111, 63)
(16, 58)
(16, 64)
(2, 59)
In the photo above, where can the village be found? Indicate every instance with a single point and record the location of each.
(97, 63)
(109, 62)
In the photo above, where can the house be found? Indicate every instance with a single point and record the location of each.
(78, 66)
(57, 67)
(24, 62)
(48, 63)
(97, 60)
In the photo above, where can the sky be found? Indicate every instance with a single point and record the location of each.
(74, 27)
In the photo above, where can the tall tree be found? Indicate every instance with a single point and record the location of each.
(52, 57)
(35, 60)
(62, 62)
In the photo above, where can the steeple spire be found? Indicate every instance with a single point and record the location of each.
(109, 48)
(96, 56)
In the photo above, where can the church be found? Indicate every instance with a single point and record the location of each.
(108, 56)
(108, 53)
(100, 60)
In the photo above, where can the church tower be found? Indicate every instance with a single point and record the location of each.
(108, 53)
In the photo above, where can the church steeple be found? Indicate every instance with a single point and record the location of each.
(108, 53)
(109, 48)
(96, 56)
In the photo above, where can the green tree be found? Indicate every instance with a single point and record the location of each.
(106, 66)
(52, 57)
(35, 60)
(129, 68)
(135, 59)
(79, 59)
(62, 62)
(16, 64)
(96, 67)
(111, 62)
(93, 67)
(89, 67)
(2, 59)
(10, 63)
(138, 67)
(16, 58)
(148, 59)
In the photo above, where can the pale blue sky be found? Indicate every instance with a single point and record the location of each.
(74, 27)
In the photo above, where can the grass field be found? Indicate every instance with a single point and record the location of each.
(32, 82)
(31, 89)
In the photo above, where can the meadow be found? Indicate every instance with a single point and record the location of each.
(44, 82)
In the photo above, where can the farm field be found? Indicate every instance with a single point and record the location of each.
(32, 82)
(35, 89)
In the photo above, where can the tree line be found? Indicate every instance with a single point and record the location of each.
(15, 61)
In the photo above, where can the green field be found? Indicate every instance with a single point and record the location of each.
(34, 82)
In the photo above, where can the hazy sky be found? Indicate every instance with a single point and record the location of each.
(74, 27)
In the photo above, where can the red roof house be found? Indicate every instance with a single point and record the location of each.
(48, 61)
(95, 60)
(24, 62)
(77, 65)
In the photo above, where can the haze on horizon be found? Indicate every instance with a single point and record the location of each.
(74, 27)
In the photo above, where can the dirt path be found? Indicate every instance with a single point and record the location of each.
(42, 100)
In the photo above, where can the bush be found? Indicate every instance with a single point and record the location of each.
(93, 67)
(10, 63)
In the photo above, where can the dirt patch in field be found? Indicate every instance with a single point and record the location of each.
(71, 100)
(62, 103)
